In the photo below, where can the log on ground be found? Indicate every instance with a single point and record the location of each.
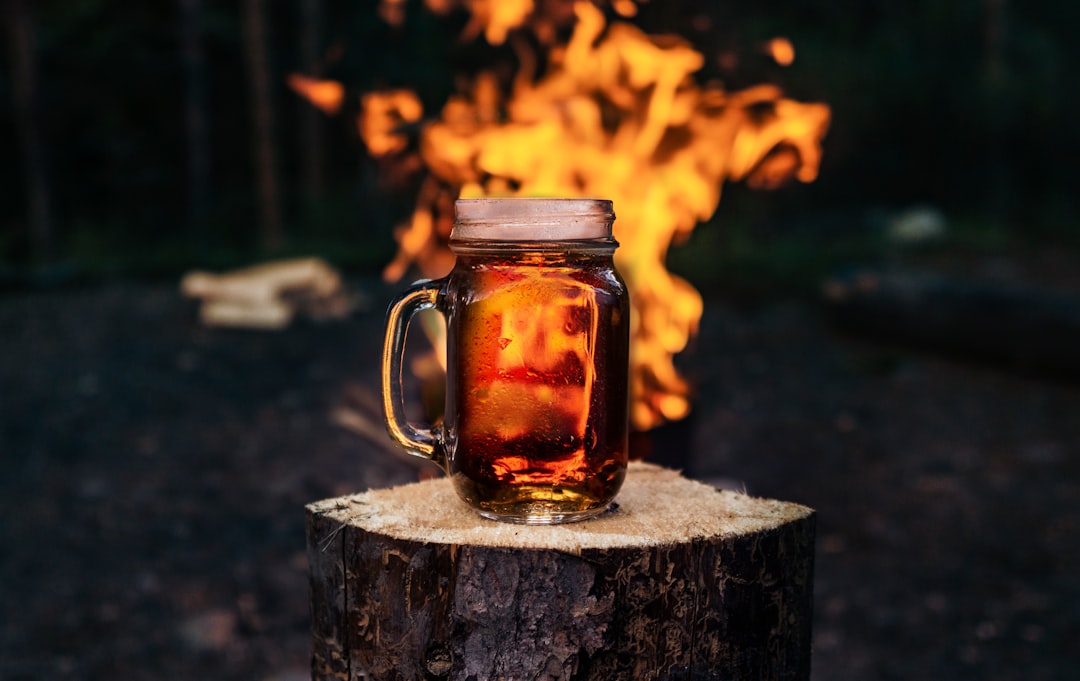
(678, 581)
(1019, 326)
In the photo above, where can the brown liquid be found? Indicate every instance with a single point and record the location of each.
(536, 426)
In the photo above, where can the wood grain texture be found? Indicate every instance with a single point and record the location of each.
(679, 582)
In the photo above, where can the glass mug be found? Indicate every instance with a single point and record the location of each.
(538, 335)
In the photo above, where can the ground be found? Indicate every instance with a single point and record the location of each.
(155, 472)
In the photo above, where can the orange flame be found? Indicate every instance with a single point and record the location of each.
(326, 95)
(781, 50)
(617, 115)
(382, 116)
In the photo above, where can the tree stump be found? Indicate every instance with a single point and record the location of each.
(679, 581)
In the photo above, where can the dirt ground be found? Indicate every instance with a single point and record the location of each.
(153, 475)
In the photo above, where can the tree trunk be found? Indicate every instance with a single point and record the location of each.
(311, 120)
(994, 25)
(271, 234)
(21, 29)
(1000, 193)
(680, 581)
(196, 119)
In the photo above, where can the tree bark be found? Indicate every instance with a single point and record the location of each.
(681, 581)
(994, 24)
(271, 234)
(311, 121)
(21, 30)
(1000, 192)
(196, 119)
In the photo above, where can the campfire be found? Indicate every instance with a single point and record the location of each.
(608, 112)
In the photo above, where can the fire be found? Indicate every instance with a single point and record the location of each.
(326, 95)
(781, 50)
(615, 114)
(382, 115)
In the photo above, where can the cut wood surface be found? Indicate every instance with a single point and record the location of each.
(680, 580)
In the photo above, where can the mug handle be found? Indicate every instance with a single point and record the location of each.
(417, 440)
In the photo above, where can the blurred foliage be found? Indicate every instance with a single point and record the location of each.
(965, 106)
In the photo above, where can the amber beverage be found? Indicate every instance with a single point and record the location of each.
(536, 391)
(535, 425)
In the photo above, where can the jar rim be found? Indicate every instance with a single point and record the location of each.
(532, 219)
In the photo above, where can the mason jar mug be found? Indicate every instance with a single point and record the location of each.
(535, 423)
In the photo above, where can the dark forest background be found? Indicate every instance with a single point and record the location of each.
(146, 138)
(154, 469)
